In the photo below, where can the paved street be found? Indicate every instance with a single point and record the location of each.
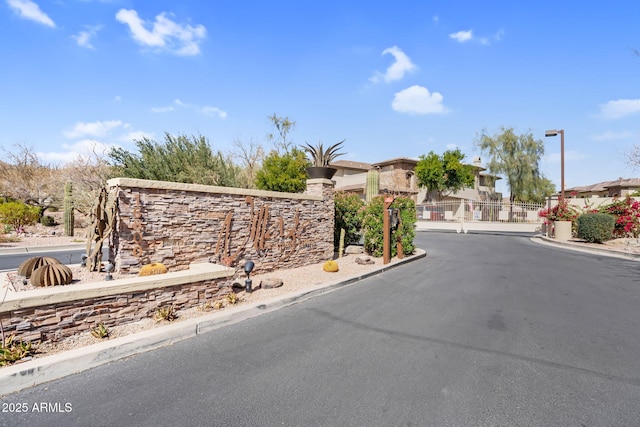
(10, 259)
(487, 330)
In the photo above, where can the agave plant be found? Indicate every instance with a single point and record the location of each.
(321, 157)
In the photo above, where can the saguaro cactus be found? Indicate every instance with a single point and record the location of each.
(68, 209)
(373, 183)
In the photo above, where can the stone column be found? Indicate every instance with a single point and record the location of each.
(326, 189)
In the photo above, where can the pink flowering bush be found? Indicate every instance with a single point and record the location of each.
(627, 213)
(563, 211)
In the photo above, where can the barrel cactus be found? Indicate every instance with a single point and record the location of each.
(51, 275)
(330, 266)
(153, 268)
(28, 266)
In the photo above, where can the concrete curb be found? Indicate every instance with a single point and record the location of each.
(38, 371)
(577, 247)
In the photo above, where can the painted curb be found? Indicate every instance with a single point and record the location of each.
(38, 371)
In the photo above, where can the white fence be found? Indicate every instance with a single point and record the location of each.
(480, 211)
(471, 215)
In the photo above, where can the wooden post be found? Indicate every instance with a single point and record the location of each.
(399, 248)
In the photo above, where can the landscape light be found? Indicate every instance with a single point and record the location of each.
(248, 268)
(109, 268)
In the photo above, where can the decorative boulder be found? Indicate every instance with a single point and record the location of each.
(271, 283)
(28, 266)
(364, 260)
(51, 275)
(330, 266)
(353, 249)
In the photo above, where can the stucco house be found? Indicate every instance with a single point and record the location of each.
(397, 176)
(618, 188)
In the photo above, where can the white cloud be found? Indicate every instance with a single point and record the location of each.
(462, 36)
(397, 70)
(95, 138)
(468, 36)
(95, 129)
(206, 110)
(418, 100)
(162, 109)
(569, 155)
(214, 111)
(85, 148)
(165, 34)
(136, 136)
(619, 108)
(29, 10)
(610, 135)
(83, 38)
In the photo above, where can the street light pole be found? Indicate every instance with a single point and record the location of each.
(554, 133)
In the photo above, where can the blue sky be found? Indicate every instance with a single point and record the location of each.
(395, 78)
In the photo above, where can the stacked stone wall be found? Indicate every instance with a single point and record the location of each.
(179, 224)
(53, 322)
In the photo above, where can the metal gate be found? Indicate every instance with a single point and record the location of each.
(472, 215)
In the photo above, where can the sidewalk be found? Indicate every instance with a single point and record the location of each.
(37, 371)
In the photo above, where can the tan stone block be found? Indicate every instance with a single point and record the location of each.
(48, 321)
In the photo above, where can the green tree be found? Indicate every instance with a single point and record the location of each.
(17, 214)
(540, 192)
(280, 139)
(348, 215)
(177, 159)
(444, 174)
(284, 172)
(517, 157)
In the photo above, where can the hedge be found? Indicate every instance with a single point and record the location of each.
(596, 227)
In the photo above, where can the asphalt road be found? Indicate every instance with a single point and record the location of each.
(488, 330)
(11, 261)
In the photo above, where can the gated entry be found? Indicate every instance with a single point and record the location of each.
(465, 215)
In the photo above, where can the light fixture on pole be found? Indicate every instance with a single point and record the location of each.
(248, 268)
(109, 269)
(555, 133)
